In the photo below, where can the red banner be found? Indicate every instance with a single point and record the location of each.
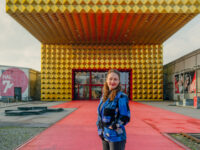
(193, 85)
(185, 83)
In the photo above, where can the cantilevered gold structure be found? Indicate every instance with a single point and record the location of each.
(102, 34)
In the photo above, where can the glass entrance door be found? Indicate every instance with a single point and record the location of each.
(88, 84)
(98, 79)
(82, 82)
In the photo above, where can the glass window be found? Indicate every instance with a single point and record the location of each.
(96, 92)
(124, 79)
(82, 78)
(98, 77)
(90, 87)
(81, 92)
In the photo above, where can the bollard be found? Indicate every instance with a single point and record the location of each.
(197, 102)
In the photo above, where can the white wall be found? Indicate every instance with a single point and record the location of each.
(179, 66)
(190, 62)
(198, 59)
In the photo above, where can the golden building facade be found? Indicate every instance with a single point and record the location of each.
(96, 35)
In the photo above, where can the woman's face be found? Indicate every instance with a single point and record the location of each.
(112, 80)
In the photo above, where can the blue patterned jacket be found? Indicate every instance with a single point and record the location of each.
(112, 118)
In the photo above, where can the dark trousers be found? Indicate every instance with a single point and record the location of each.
(113, 145)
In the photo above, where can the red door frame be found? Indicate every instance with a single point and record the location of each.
(99, 70)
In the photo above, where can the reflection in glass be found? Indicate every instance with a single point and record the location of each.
(82, 78)
(124, 79)
(98, 77)
(96, 92)
(125, 88)
(81, 92)
(76, 92)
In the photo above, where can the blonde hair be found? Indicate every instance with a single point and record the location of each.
(114, 92)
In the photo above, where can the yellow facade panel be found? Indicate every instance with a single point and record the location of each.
(59, 78)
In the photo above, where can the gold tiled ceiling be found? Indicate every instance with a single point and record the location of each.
(103, 21)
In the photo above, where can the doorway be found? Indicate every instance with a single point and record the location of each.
(17, 93)
(88, 84)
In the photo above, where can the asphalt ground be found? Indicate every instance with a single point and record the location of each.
(169, 105)
(42, 120)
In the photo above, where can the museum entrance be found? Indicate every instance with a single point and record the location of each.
(87, 85)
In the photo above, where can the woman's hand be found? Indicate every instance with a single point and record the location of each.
(110, 127)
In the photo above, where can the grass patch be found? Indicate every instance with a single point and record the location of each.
(12, 137)
(184, 140)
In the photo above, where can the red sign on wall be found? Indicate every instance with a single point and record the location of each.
(11, 78)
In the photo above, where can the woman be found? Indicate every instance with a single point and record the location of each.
(113, 113)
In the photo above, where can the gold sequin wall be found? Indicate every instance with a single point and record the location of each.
(145, 61)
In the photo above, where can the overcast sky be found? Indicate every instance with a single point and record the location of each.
(19, 48)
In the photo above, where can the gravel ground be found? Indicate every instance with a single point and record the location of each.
(16, 130)
(187, 142)
(12, 137)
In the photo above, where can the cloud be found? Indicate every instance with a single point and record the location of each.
(183, 42)
(28, 57)
(5, 22)
(17, 46)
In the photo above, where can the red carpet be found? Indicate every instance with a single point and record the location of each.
(78, 130)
